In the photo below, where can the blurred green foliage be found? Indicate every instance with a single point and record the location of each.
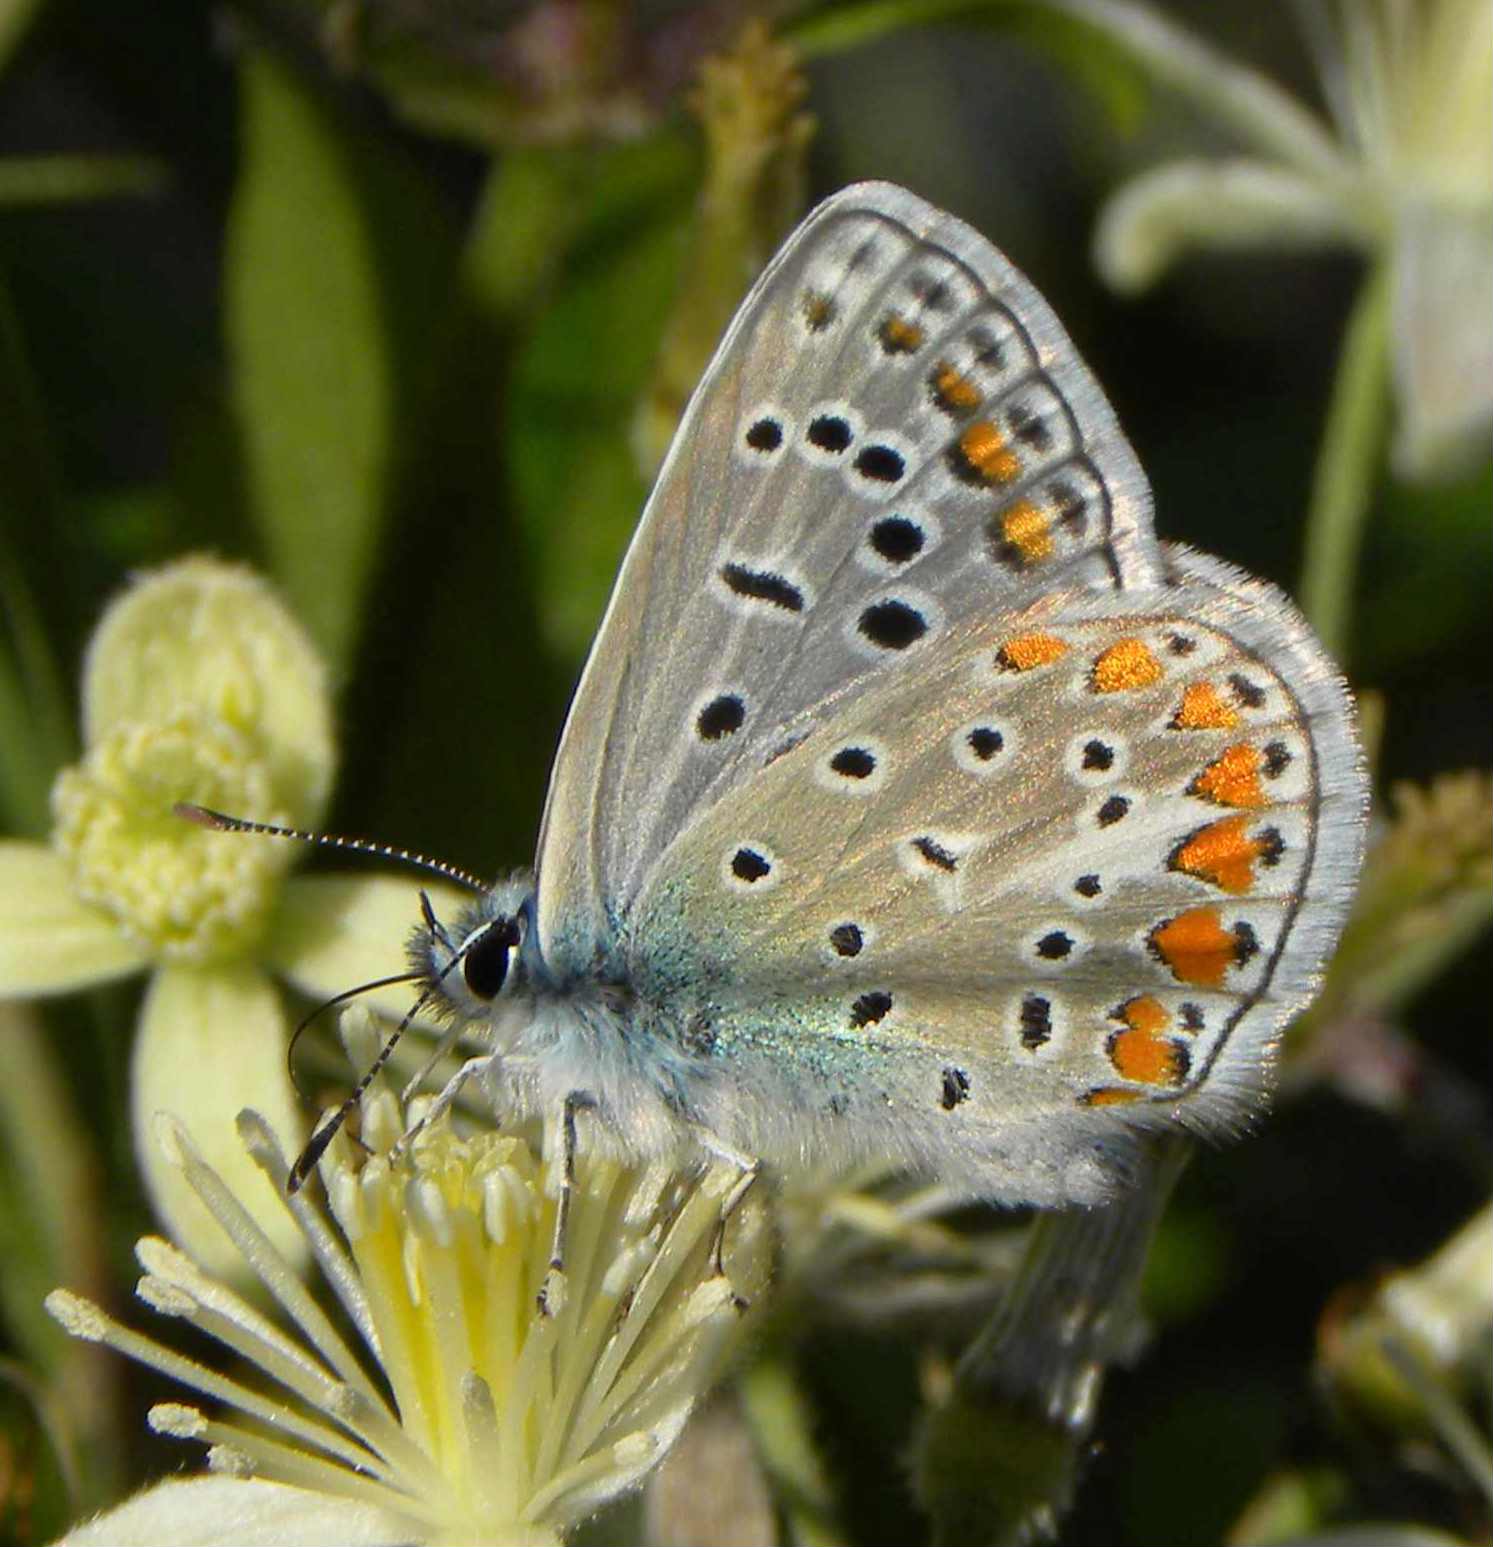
(370, 297)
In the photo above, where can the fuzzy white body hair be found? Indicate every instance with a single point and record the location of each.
(546, 1050)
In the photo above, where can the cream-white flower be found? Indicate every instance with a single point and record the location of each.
(462, 1410)
(1403, 172)
(198, 686)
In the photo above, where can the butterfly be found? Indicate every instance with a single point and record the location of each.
(916, 803)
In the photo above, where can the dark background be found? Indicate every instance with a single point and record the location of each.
(450, 708)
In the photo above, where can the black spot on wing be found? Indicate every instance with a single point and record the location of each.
(985, 741)
(765, 435)
(892, 624)
(933, 293)
(1036, 1021)
(897, 539)
(831, 433)
(750, 866)
(1027, 427)
(762, 585)
(870, 1008)
(1068, 504)
(935, 854)
(722, 716)
(880, 464)
(853, 763)
(1113, 810)
(989, 352)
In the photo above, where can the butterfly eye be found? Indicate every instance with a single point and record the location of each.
(487, 955)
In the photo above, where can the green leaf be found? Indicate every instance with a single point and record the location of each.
(1430, 552)
(35, 722)
(456, 603)
(16, 17)
(523, 225)
(1097, 61)
(33, 180)
(51, 1225)
(577, 381)
(335, 262)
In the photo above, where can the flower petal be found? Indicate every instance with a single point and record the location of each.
(211, 1042)
(1442, 321)
(216, 637)
(50, 943)
(1156, 217)
(237, 1512)
(1264, 116)
(331, 933)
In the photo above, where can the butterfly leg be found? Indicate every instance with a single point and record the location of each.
(448, 1040)
(442, 1103)
(748, 1168)
(551, 1292)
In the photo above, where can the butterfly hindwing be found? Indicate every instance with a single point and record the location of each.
(1084, 863)
(895, 437)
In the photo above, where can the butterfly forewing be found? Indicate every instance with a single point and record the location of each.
(895, 437)
(1057, 872)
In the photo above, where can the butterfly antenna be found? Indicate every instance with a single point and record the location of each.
(316, 1145)
(327, 1004)
(218, 821)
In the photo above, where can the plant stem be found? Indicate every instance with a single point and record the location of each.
(778, 1415)
(1350, 458)
(27, 181)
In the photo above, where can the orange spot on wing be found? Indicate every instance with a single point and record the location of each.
(1232, 779)
(1109, 1096)
(1029, 650)
(953, 391)
(1196, 947)
(900, 337)
(1028, 531)
(1143, 1052)
(818, 310)
(1204, 708)
(988, 454)
(1222, 853)
(1145, 1014)
(1147, 1060)
(1125, 666)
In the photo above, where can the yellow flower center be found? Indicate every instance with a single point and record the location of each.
(181, 892)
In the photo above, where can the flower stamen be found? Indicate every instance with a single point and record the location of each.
(504, 1423)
